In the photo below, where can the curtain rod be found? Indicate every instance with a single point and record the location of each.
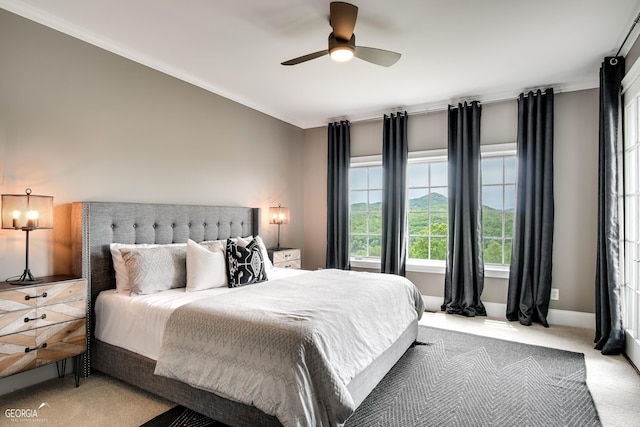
(435, 107)
(628, 34)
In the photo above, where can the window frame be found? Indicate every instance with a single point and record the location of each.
(432, 266)
(415, 157)
(501, 151)
(363, 162)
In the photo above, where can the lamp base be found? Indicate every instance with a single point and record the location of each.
(26, 279)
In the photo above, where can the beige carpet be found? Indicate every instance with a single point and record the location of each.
(99, 401)
(103, 401)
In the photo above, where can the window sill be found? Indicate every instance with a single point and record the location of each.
(434, 267)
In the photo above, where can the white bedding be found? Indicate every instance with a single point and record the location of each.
(336, 314)
(290, 347)
(137, 323)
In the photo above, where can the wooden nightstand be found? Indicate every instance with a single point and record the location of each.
(43, 323)
(285, 257)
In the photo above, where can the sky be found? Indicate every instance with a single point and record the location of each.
(498, 181)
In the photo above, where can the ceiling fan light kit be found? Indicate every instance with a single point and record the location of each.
(341, 50)
(341, 54)
(342, 41)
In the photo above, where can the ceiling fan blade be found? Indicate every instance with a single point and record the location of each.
(305, 58)
(342, 17)
(386, 58)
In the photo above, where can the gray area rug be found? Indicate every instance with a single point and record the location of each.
(457, 379)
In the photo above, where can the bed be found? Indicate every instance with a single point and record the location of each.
(96, 225)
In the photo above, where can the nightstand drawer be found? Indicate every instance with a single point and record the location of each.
(13, 358)
(13, 321)
(62, 312)
(41, 295)
(62, 340)
(17, 299)
(62, 292)
(285, 255)
(285, 258)
(294, 264)
(37, 347)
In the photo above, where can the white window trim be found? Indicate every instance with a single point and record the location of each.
(493, 271)
(363, 161)
(499, 150)
(496, 271)
(433, 155)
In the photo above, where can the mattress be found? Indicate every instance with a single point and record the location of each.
(137, 323)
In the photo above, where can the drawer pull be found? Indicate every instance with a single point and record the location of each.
(27, 320)
(27, 297)
(27, 350)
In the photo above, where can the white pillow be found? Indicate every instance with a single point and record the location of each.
(122, 276)
(157, 268)
(206, 266)
(244, 241)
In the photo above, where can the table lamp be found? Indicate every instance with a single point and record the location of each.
(278, 215)
(26, 212)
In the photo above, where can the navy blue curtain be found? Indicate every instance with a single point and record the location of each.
(609, 329)
(338, 160)
(532, 246)
(395, 153)
(464, 275)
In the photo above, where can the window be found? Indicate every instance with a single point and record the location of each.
(428, 210)
(428, 207)
(629, 203)
(498, 205)
(365, 209)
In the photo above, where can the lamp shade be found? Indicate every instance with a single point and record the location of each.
(278, 215)
(26, 211)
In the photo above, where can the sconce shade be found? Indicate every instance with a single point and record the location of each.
(278, 215)
(22, 211)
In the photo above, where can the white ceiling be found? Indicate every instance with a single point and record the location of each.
(451, 49)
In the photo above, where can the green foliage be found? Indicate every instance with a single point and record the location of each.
(429, 213)
(492, 251)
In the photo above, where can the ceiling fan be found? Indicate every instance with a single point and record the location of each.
(342, 41)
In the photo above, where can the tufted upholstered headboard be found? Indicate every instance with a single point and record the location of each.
(95, 225)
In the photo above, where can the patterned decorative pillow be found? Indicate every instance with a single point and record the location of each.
(122, 275)
(244, 264)
(244, 241)
(155, 269)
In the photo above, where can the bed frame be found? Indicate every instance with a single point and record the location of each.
(95, 225)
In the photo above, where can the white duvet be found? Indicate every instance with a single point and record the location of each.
(290, 346)
(328, 326)
(137, 323)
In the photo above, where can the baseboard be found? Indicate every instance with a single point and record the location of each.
(576, 319)
(35, 376)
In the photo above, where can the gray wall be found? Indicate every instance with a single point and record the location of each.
(575, 165)
(79, 123)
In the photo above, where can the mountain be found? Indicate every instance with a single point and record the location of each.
(438, 202)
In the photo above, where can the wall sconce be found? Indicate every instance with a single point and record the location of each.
(26, 212)
(278, 215)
